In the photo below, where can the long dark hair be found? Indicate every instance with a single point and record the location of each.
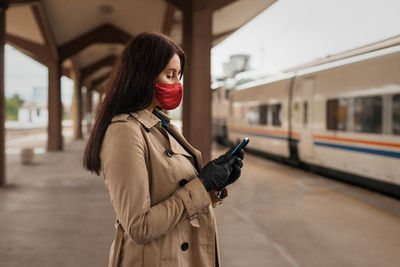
(131, 86)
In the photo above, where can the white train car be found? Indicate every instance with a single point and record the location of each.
(219, 113)
(347, 116)
(341, 118)
(260, 110)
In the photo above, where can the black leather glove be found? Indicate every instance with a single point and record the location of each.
(222, 171)
(216, 173)
(236, 168)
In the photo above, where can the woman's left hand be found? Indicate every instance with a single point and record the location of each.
(236, 166)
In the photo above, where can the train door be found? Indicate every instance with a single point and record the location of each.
(306, 139)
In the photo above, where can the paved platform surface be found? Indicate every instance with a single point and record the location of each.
(281, 216)
(54, 213)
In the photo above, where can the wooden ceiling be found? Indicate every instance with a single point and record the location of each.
(90, 34)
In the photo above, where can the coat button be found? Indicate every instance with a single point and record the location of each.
(183, 182)
(169, 152)
(184, 246)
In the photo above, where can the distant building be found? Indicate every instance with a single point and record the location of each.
(236, 64)
(33, 113)
(39, 95)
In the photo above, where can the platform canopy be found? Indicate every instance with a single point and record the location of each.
(91, 33)
(82, 39)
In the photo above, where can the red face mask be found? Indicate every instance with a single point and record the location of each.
(169, 95)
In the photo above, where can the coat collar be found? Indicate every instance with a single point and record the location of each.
(177, 134)
(148, 119)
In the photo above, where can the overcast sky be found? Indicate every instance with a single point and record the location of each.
(22, 73)
(292, 32)
(289, 33)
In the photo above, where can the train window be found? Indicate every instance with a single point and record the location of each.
(396, 114)
(331, 114)
(368, 114)
(276, 114)
(226, 94)
(263, 114)
(337, 110)
(253, 115)
(305, 112)
(296, 106)
(343, 106)
(238, 113)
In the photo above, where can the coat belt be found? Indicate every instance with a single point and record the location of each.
(117, 245)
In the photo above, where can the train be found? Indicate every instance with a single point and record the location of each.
(340, 118)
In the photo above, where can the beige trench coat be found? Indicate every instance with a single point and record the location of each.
(164, 214)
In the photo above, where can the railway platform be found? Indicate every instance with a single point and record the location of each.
(54, 213)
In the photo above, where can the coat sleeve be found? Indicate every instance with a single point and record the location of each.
(217, 197)
(123, 157)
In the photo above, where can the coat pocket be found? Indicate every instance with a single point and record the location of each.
(169, 249)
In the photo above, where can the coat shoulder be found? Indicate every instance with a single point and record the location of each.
(122, 129)
(120, 118)
(124, 121)
(122, 139)
(125, 118)
(122, 125)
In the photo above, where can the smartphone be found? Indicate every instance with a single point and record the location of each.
(240, 146)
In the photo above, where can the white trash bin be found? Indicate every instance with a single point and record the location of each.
(27, 155)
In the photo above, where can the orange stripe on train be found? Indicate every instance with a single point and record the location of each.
(350, 140)
(260, 130)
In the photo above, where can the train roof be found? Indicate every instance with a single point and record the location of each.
(279, 77)
(387, 47)
(386, 43)
(349, 60)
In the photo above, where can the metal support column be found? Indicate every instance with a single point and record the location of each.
(2, 97)
(197, 41)
(89, 109)
(77, 108)
(54, 128)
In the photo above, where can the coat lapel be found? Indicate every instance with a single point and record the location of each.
(148, 119)
(177, 135)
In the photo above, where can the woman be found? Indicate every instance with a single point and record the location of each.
(162, 195)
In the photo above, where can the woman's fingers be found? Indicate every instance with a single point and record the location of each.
(241, 153)
(237, 168)
(239, 162)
